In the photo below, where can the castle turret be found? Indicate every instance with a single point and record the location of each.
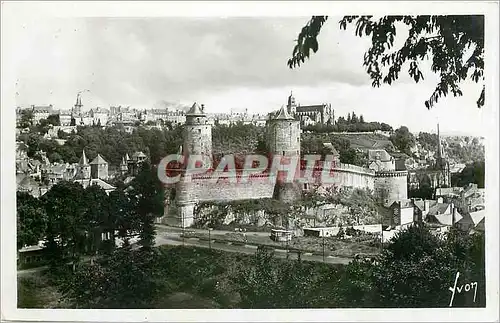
(99, 168)
(197, 133)
(83, 167)
(390, 184)
(284, 141)
(197, 142)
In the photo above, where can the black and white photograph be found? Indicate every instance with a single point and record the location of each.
(173, 160)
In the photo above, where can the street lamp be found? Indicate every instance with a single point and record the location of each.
(323, 235)
(209, 239)
(183, 233)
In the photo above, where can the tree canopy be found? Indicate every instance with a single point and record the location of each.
(446, 40)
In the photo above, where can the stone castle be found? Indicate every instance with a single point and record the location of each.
(283, 138)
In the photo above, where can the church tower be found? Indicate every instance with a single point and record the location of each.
(442, 164)
(291, 105)
(123, 166)
(284, 141)
(83, 167)
(77, 109)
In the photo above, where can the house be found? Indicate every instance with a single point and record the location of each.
(421, 208)
(402, 214)
(380, 160)
(443, 214)
(96, 181)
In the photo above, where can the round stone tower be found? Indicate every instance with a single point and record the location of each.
(197, 133)
(284, 141)
(391, 185)
(197, 141)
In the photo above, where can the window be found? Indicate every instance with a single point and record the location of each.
(199, 130)
(283, 153)
(306, 186)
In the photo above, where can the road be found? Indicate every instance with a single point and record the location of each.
(167, 237)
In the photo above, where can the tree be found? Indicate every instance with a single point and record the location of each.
(147, 198)
(122, 279)
(26, 120)
(97, 219)
(403, 140)
(122, 215)
(444, 39)
(417, 268)
(472, 173)
(53, 119)
(31, 220)
(66, 221)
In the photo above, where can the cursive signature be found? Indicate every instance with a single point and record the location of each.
(466, 287)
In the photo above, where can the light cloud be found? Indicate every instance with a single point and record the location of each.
(226, 63)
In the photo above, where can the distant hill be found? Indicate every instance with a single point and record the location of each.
(367, 141)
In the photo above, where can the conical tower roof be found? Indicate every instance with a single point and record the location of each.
(195, 110)
(282, 114)
(127, 158)
(83, 159)
(98, 160)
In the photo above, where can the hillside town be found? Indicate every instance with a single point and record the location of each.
(445, 207)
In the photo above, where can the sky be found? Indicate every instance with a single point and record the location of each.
(225, 63)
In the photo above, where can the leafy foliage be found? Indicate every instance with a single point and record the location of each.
(123, 279)
(444, 39)
(403, 140)
(472, 173)
(26, 119)
(31, 218)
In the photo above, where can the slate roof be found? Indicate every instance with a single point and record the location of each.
(95, 181)
(379, 154)
(447, 219)
(310, 108)
(282, 114)
(98, 160)
(480, 226)
(83, 159)
(438, 208)
(478, 216)
(138, 154)
(195, 110)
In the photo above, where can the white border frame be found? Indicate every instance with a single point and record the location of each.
(34, 10)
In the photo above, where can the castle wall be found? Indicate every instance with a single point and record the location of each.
(353, 176)
(203, 189)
